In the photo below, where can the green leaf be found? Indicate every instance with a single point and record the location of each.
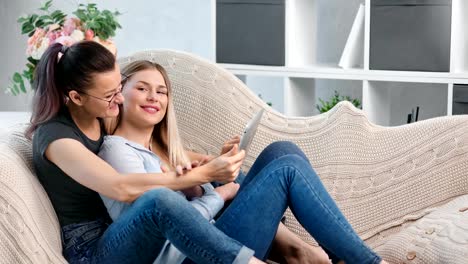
(10, 90)
(80, 14)
(46, 5)
(17, 77)
(335, 99)
(22, 86)
(26, 28)
(23, 19)
(59, 20)
(15, 89)
(47, 22)
(44, 17)
(33, 18)
(56, 13)
(39, 24)
(33, 61)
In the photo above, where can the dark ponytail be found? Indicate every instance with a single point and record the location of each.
(55, 77)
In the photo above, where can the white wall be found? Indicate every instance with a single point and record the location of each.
(172, 24)
(270, 89)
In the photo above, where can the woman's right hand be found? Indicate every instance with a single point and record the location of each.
(225, 168)
(227, 146)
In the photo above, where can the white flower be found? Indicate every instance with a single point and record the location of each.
(53, 27)
(37, 51)
(77, 35)
(65, 40)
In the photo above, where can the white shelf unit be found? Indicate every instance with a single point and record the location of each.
(316, 34)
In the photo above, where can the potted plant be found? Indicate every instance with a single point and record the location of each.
(47, 27)
(335, 99)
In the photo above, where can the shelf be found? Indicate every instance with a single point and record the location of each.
(302, 95)
(316, 33)
(459, 49)
(270, 89)
(334, 72)
(389, 103)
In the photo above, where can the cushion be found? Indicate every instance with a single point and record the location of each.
(441, 236)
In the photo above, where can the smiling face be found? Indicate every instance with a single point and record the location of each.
(146, 98)
(104, 97)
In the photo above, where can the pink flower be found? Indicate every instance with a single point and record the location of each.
(70, 25)
(89, 34)
(53, 35)
(77, 35)
(38, 34)
(35, 41)
(65, 40)
(53, 27)
(38, 50)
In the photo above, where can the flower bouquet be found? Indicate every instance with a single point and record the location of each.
(51, 27)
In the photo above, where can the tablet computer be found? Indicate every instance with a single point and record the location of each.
(249, 131)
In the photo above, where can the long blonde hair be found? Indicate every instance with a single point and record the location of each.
(166, 132)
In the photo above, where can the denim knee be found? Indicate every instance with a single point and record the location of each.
(280, 148)
(158, 199)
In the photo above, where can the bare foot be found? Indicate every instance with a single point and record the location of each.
(307, 254)
(228, 191)
(382, 262)
(255, 260)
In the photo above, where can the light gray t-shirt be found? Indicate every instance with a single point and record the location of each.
(129, 157)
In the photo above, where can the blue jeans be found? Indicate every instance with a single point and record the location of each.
(280, 177)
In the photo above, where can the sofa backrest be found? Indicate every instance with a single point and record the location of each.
(29, 227)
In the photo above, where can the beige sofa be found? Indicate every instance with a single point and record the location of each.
(389, 181)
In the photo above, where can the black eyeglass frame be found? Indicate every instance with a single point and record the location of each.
(109, 101)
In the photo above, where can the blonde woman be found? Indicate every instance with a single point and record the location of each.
(145, 138)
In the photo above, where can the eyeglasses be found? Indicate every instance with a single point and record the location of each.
(103, 99)
(109, 101)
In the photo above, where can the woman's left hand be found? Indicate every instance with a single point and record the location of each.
(227, 146)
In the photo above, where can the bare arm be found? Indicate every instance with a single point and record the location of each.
(194, 156)
(89, 170)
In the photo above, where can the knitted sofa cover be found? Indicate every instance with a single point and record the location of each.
(382, 178)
